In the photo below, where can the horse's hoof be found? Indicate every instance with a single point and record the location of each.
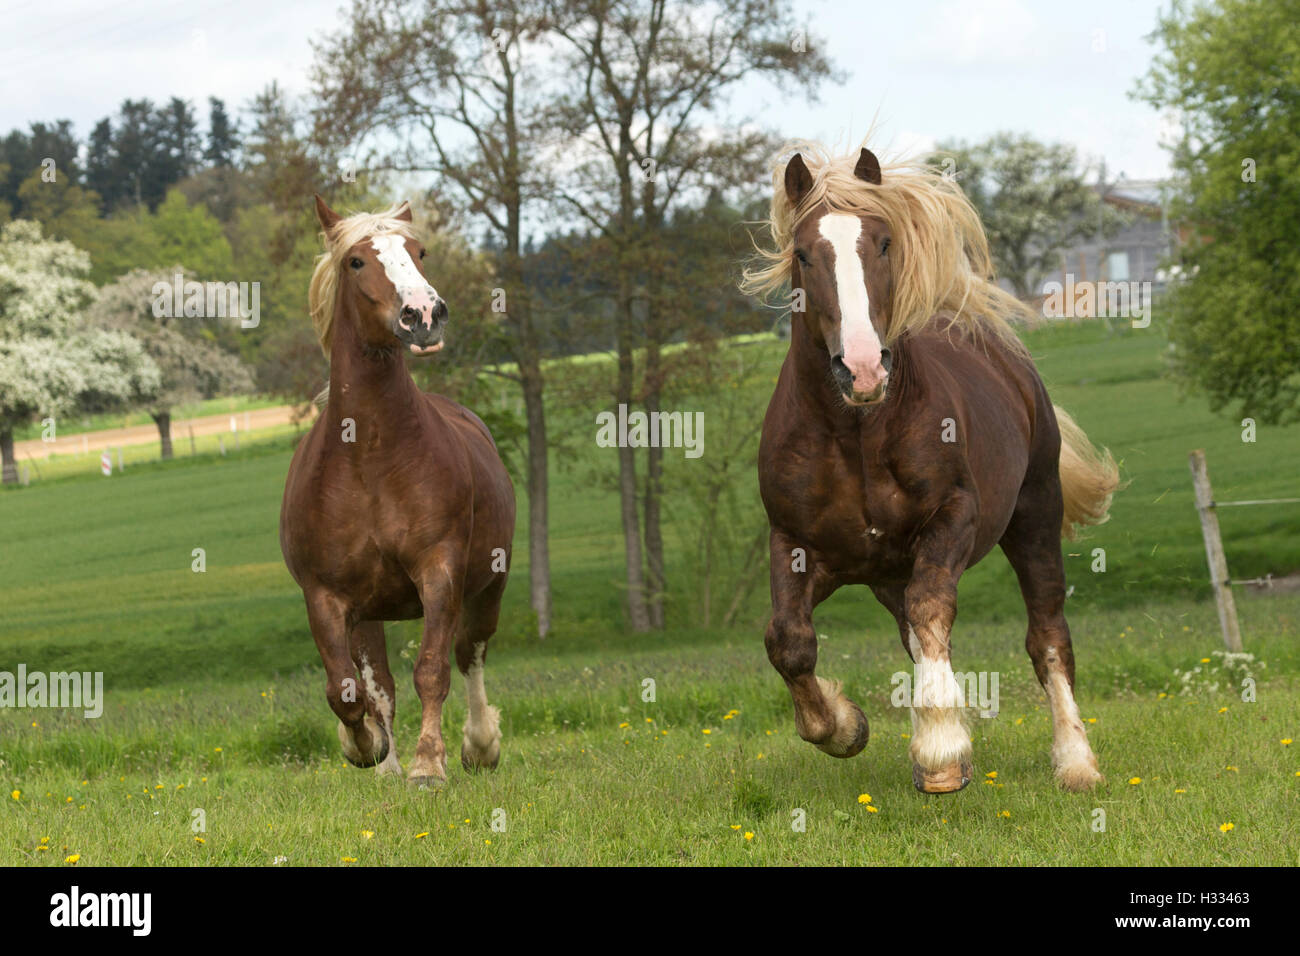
(473, 760)
(947, 779)
(353, 753)
(851, 730)
(1079, 777)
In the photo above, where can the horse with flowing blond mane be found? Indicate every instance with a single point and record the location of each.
(909, 433)
(396, 506)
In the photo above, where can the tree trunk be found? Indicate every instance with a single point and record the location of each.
(654, 540)
(7, 454)
(637, 612)
(539, 553)
(164, 422)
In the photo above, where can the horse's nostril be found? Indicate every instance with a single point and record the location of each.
(408, 317)
(439, 310)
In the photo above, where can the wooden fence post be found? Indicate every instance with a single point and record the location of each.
(1218, 562)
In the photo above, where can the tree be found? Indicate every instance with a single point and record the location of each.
(223, 135)
(466, 84)
(649, 73)
(191, 365)
(1033, 200)
(1228, 70)
(50, 363)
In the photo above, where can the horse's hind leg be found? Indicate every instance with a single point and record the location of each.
(363, 742)
(1032, 544)
(370, 654)
(481, 743)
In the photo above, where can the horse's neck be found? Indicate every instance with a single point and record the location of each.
(372, 388)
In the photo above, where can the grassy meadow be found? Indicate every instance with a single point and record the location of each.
(215, 696)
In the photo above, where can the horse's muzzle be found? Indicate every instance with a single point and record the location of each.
(419, 336)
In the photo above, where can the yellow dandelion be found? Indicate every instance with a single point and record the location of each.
(1005, 813)
(1134, 781)
(17, 794)
(706, 730)
(749, 834)
(216, 750)
(1180, 791)
(349, 859)
(200, 841)
(1223, 710)
(735, 826)
(1233, 769)
(1286, 741)
(649, 720)
(73, 859)
(992, 775)
(421, 836)
(367, 833)
(487, 842)
(1091, 720)
(1225, 827)
(864, 798)
(624, 725)
(1205, 660)
(871, 809)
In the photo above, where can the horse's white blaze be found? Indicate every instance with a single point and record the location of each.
(857, 334)
(412, 287)
(938, 736)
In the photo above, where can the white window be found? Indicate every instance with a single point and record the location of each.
(1117, 267)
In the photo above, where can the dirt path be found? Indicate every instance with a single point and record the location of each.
(82, 442)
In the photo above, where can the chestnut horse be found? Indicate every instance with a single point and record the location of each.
(397, 505)
(908, 434)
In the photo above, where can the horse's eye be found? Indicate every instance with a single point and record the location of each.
(356, 263)
(421, 253)
(884, 246)
(803, 260)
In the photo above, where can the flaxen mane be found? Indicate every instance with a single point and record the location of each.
(943, 270)
(345, 234)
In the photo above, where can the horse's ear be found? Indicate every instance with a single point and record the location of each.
(797, 180)
(326, 216)
(404, 213)
(868, 167)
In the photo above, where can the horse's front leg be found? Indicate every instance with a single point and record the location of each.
(364, 743)
(941, 746)
(822, 714)
(440, 592)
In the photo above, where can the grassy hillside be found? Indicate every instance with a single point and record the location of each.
(215, 691)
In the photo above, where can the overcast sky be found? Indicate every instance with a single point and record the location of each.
(931, 69)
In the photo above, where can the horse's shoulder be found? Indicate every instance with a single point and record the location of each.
(460, 416)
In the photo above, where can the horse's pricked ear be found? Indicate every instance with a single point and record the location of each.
(797, 180)
(868, 167)
(405, 212)
(326, 216)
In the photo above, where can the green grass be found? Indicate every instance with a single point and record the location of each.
(95, 574)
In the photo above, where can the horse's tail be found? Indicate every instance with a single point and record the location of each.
(1089, 478)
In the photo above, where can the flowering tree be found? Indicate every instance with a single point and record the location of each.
(51, 363)
(192, 365)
